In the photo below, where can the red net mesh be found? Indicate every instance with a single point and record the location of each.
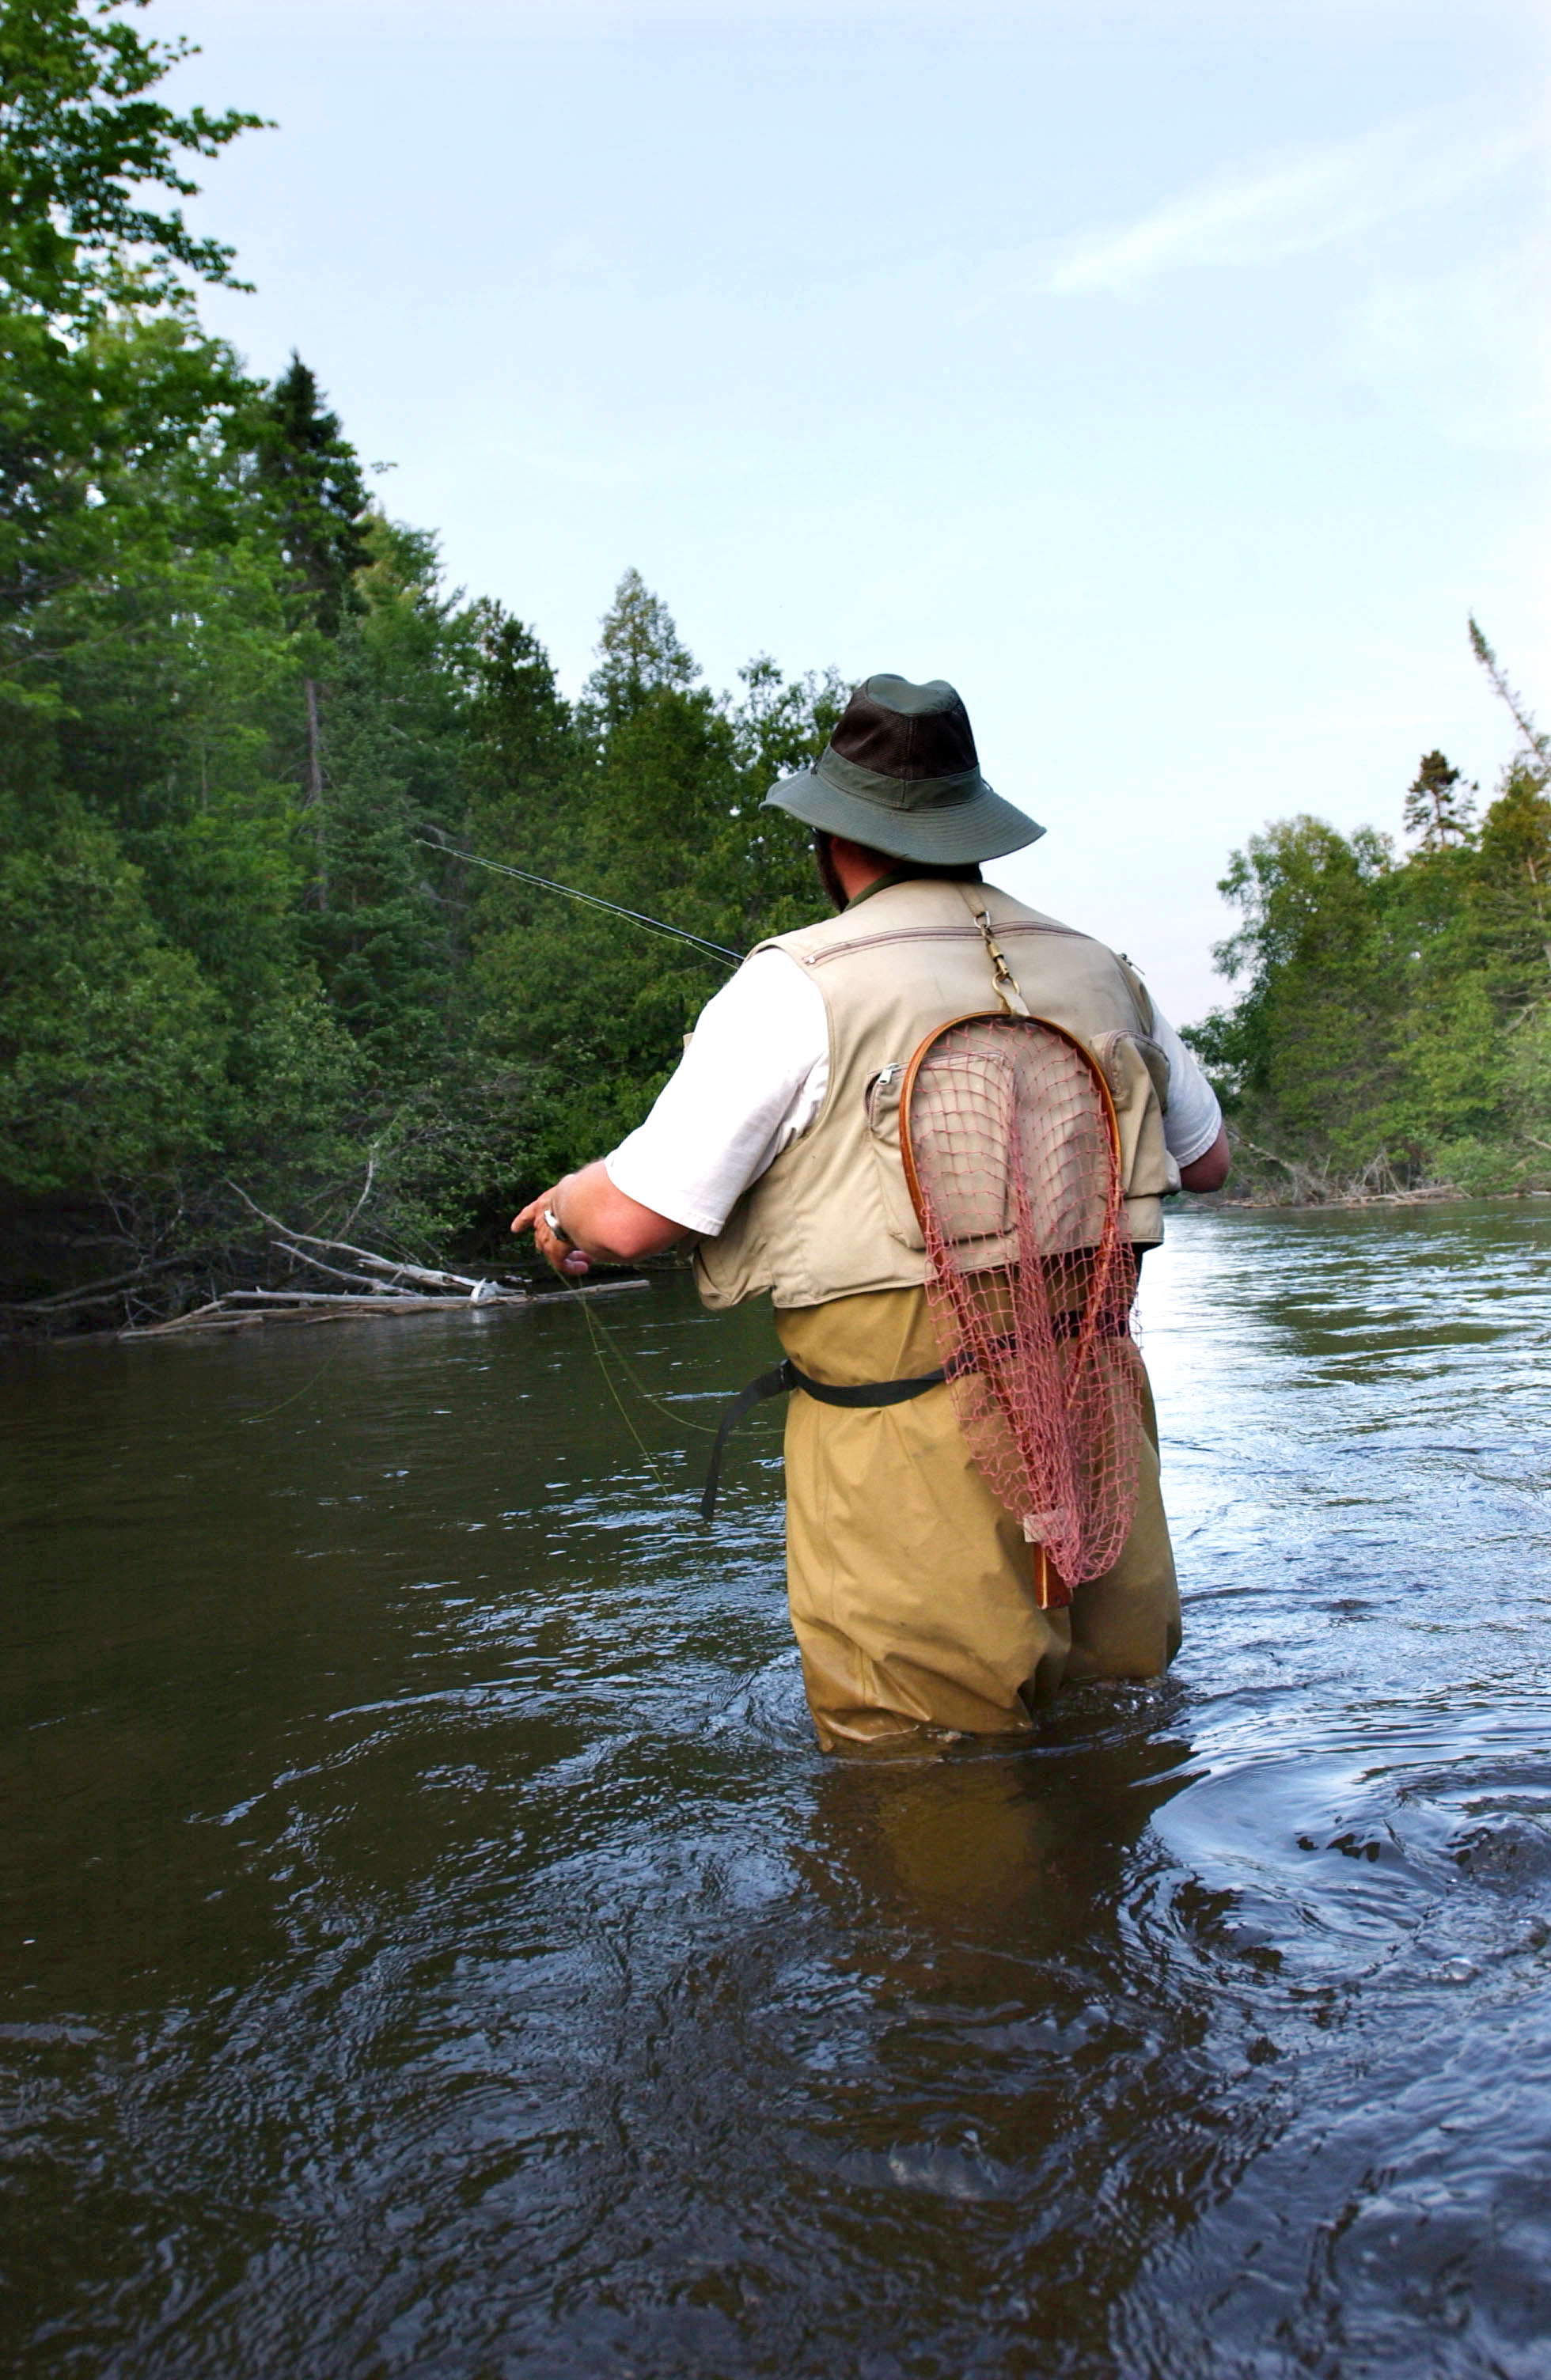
(1031, 1277)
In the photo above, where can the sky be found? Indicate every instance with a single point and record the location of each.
(1173, 378)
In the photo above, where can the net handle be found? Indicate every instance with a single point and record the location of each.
(1006, 1023)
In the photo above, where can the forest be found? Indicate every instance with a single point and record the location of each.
(255, 751)
(1393, 1031)
(261, 769)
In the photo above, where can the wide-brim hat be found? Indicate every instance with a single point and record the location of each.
(901, 774)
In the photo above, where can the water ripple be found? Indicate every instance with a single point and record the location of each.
(433, 1944)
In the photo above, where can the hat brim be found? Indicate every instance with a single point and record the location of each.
(979, 825)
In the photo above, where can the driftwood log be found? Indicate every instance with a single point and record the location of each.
(249, 1309)
(387, 1285)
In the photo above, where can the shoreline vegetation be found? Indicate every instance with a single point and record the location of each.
(261, 769)
(1344, 1202)
(1392, 1035)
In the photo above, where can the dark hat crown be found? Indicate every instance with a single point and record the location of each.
(904, 731)
(901, 774)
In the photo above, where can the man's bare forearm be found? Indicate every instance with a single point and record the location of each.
(1210, 1170)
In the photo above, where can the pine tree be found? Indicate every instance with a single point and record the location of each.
(1516, 834)
(639, 652)
(1436, 810)
(312, 476)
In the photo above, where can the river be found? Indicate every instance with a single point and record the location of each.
(431, 1943)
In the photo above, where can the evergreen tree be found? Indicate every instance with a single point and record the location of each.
(311, 475)
(1396, 1016)
(1436, 810)
(651, 796)
(110, 1044)
(638, 653)
(394, 749)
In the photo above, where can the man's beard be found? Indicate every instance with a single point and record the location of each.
(829, 875)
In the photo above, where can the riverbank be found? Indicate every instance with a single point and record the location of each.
(1438, 1195)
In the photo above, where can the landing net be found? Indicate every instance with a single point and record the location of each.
(1010, 1152)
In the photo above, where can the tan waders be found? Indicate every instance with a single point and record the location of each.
(911, 1586)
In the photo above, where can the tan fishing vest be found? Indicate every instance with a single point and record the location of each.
(832, 1216)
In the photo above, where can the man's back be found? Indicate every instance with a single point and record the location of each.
(831, 1217)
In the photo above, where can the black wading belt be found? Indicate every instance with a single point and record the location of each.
(786, 1377)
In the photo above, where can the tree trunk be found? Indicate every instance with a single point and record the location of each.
(315, 785)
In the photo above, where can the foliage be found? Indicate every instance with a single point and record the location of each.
(309, 473)
(650, 792)
(1436, 809)
(110, 1040)
(250, 735)
(105, 383)
(78, 141)
(1394, 1016)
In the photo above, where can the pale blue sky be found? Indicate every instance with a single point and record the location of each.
(1173, 378)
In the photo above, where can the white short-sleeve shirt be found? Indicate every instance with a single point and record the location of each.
(753, 1080)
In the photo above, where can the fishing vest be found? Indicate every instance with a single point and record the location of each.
(832, 1216)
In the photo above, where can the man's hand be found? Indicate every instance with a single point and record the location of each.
(598, 1224)
(559, 1254)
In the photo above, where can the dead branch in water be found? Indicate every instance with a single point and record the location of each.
(296, 1245)
(246, 1309)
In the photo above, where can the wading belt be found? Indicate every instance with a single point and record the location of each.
(786, 1377)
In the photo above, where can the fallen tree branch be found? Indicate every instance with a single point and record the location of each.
(245, 1308)
(382, 1289)
(431, 1275)
(97, 1291)
(366, 1188)
(374, 1301)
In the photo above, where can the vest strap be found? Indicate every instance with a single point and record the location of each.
(779, 1382)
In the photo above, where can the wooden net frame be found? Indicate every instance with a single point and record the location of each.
(1011, 1154)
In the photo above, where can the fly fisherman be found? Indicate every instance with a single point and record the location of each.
(776, 1145)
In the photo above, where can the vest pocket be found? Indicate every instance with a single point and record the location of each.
(1137, 1073)
(883, 1133)
(1132, 1061)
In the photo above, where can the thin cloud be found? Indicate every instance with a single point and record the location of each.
(1325, 194)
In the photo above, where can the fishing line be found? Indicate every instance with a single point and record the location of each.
(593, 900)
(706, 1429)
(619, 1400)
(248, 1419)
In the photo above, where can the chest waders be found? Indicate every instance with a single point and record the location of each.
(1011, 1151)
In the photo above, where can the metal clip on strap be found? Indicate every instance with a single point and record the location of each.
(1006, 982)
(786, 1377)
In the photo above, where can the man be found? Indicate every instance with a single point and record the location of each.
(776, 1145)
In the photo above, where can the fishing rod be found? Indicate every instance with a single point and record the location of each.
(593, 901)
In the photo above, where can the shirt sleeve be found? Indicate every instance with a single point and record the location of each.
(1194, 1119)
(751, 1081)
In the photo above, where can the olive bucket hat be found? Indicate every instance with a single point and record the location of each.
(901, 774)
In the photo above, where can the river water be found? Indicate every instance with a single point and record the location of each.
(431, 1944)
